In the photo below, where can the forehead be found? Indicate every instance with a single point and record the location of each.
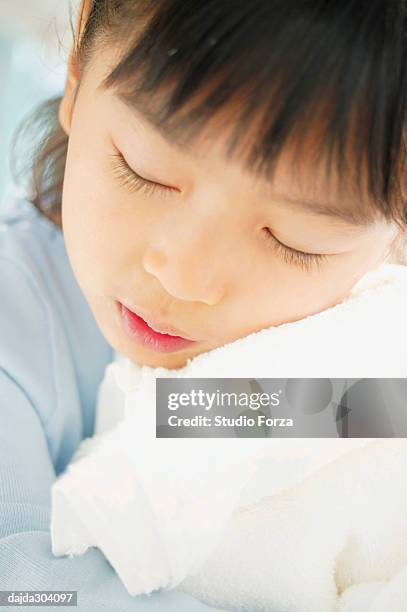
(298, 175)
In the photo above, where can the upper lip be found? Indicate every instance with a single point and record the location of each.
(161, 327)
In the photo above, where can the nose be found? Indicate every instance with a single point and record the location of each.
(188, 255)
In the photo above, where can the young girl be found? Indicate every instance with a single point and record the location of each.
(216, 168)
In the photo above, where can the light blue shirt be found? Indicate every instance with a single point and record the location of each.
(52, 359)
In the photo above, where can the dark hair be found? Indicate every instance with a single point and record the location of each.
(283, 70)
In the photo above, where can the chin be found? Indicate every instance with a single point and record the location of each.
(170, 361)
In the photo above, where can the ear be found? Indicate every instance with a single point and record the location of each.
(73, 72)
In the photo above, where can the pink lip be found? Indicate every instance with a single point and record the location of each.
(161, 328)
(140, 331)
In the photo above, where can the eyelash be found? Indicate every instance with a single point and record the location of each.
(306, 261)
(134, 182)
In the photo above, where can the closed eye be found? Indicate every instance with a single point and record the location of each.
(133, 181)
(304, 260)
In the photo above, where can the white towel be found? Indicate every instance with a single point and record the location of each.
(297, 525)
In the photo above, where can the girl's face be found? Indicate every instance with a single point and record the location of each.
(193, 246)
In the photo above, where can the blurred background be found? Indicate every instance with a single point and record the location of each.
(35, 38)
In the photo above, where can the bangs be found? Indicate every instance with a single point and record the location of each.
(326, 74)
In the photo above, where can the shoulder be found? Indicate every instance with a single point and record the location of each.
(29, 329)
(52, 338)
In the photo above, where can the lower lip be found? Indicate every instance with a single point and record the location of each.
(138, 331)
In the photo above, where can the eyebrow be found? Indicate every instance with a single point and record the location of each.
(354, 218)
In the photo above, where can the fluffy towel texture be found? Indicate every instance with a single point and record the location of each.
(289, 525)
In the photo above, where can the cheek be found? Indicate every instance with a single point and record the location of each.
(287, 294)
(84, 228)
(340, 278)
(105, 229)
